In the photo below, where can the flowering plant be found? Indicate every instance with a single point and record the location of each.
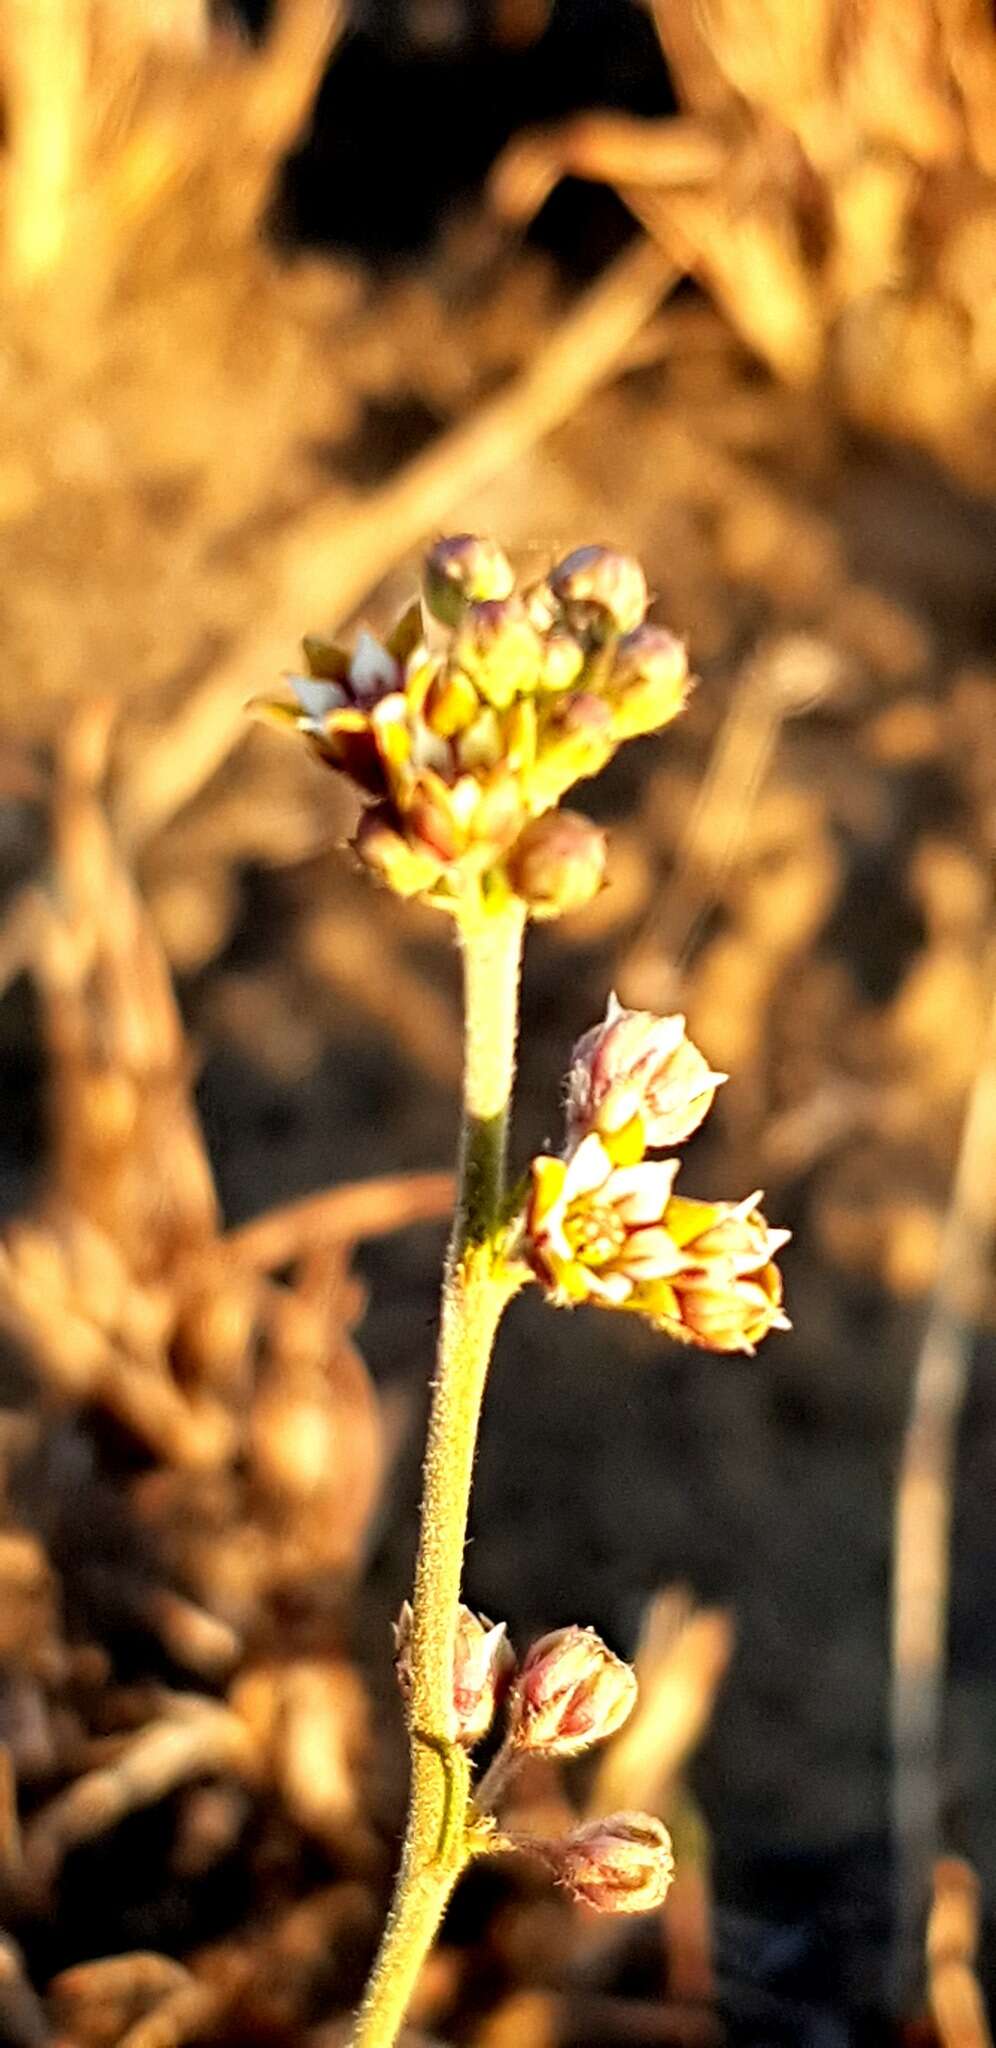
(462, 732)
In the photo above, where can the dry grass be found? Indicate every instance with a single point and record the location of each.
(832, 183)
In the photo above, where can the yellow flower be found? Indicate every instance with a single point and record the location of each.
(603, 1225)
(594, 1230)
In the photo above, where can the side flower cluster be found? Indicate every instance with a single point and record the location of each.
(483, 707)
(569, 1693)
(602, 1223)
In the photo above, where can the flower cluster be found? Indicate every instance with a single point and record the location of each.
(569, 1693)
(602, 1222)
(483, 707)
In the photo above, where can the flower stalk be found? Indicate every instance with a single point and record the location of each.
(476, 1290)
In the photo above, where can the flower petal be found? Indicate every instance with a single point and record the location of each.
(651, 1254)
(373, 672)
(640, 1193)
(547, 1191)
(317, 699)
(613, 1285)
(587, 1169)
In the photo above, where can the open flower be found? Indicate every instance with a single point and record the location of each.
(638, 1074)
(570, 1693)
(727, 1292)
(622, 1864)
(594, 1230)
(482, 709)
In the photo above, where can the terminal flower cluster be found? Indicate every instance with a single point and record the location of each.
(469, 724)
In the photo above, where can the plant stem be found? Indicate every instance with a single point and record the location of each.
(475, 1292)
(491, 1788)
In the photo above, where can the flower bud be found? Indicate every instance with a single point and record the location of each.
(577, 742)
(570, 1693)
(597, 581)
(727, 1292)
(649, 682)
(558, 863)
(563, 660)
(499, 650)
(476, 716)
(637, 1066)
(451, 703)
(483, 1664)
(728, 1314)
(406, 869)
(462, 570)
(622, 1864)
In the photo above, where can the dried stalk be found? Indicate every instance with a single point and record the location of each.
(44, 53)
(680, 1663)
(783, 679)
(194, 1737)
(922, 1532)
(956, 2003)
(365, 1208)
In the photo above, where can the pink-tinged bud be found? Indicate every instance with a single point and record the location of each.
(597, 581)
(460, 570)
(638, 1067)
(622, 1864)
(570, 1693)
(483, 1666)
(558, 863)
(730, 1315)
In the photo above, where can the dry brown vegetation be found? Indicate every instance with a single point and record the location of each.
(199, 1759)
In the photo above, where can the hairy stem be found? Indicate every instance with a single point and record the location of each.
(475, 1292)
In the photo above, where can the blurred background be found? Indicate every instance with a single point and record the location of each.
(287, 290)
